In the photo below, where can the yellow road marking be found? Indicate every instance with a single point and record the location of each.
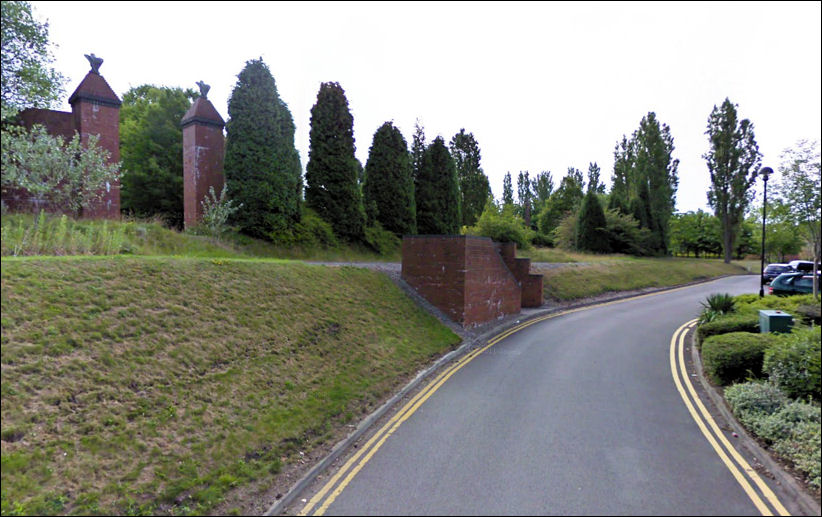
(678, 337)
(411, 407)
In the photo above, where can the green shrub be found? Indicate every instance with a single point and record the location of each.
(810, 314)
(793, 363)
(725, 324)
(803, 449)
(502, 226)
(716, 305)
(793, 428)
(735, 356)
(380, 240)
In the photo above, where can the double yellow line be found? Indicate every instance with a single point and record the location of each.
(764, 499)
(334, 487)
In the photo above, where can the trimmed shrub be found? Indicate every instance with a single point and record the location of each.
(803, 449)
(754, 397)
(810, 314)
(726, 324)
(794, 363)
(735, 356)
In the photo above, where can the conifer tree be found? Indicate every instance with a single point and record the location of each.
(437, 194)
(591, 225)
(388, 189)
(262, 166)
(331, 174)
(524, 197)
(474, 186)
(645, 180)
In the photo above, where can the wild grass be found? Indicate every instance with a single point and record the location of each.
(134, 385)
(561, 255)
(27, 235)
(585, 280)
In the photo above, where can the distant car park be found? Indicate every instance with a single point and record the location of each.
(774, 270)
(791, 283)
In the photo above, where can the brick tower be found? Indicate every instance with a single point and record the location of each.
(203, 153)
(96, 111)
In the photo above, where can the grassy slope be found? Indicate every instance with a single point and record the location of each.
(129, 383)
(629, 273)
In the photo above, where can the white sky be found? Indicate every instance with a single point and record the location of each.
(542, 86)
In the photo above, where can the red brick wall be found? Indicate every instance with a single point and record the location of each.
(434, 265)
(531, 285)
(203, 154)
(467, 277)
(491, 291)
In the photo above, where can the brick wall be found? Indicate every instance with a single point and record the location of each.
(468, 277)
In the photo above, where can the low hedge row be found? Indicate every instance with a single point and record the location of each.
(726, 324)
(735, 356)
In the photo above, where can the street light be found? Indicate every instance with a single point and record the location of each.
(765, 172)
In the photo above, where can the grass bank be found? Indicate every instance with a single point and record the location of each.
(157, 385)
(625, 274)
(28, 235)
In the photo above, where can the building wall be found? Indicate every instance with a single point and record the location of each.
(203, 154)
(93, 118)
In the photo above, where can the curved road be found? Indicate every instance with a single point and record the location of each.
(575, 415)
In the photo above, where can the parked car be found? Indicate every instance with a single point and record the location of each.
(774, 270)
(801, 265)
(791, 283)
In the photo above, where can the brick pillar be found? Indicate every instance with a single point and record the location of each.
(96, 111)
(203, 153)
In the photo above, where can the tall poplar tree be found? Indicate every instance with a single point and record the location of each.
(388, 189)
(507, 190)
(331, 174)
(733, 162)
(474, 187)
(417, 149)
(437, 195)
(524, 196)
(262, 166)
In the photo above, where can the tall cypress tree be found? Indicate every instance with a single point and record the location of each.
(262, 166)
(331, 174)
(437, 193)
(733, 162)
(417, 149)
(474, 187)
(388, 190)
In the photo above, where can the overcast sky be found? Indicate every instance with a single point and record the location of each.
(542, 86)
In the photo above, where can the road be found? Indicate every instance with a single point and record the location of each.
(575, 415)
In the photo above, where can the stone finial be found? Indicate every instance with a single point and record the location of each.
(95, 63)
(203, 89)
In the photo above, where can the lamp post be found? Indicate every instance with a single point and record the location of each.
(765, 172)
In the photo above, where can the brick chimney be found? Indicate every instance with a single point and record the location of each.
(203, 153)
(96, 111)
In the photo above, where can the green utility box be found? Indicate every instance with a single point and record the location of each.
(774, 321)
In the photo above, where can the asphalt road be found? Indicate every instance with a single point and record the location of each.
(575, 415)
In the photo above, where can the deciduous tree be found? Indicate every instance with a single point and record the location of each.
(28, 80)
(151, 146)
(733, 162)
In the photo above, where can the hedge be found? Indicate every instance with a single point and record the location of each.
(735, 356)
